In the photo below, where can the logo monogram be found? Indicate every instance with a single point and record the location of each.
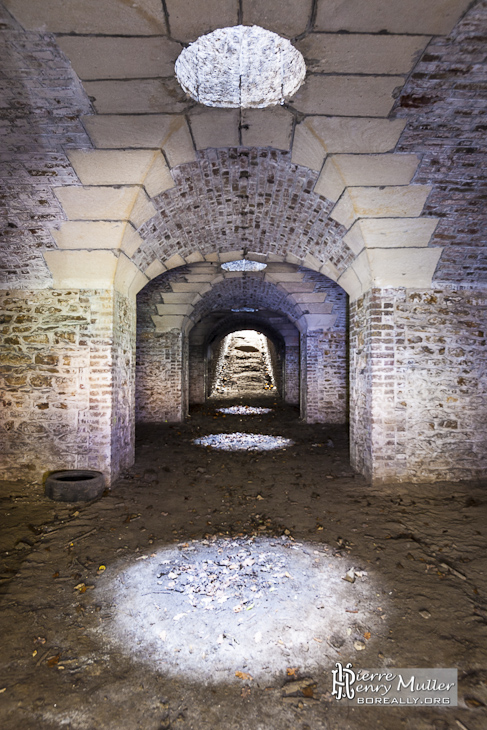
(343, 679)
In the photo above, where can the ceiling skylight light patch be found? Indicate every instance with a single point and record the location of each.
(243, 265)
(241, 66)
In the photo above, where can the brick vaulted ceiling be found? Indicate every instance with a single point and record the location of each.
(373, 173)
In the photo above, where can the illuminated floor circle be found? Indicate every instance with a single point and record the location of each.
(243, 442)
(207, 609)
(244, 411)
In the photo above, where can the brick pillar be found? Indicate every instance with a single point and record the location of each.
(418, 385)
(197, 373)
(324, 376)
(67, 382)
(291, 375)
(159, 379)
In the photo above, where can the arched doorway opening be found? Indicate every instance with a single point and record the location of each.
(245, 362)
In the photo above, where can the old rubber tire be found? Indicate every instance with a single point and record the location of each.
(75, 485)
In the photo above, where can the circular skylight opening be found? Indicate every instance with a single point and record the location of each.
(242, 66)
(243, 265)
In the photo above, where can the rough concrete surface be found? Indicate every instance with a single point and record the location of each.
(76, 655)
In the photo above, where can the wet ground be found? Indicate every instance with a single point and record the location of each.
(207, 588)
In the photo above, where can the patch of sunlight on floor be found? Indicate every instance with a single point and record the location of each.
(238, 441)
(213, 608)
(244, 411)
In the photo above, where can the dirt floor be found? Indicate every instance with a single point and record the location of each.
(207, 589)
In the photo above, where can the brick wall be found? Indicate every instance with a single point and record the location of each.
(60, 389)
(291, 375)
(197, 373)
(419, 384)
(159, 364)
(325, 363)
(159, 377)
(443, 102)
(236, 198)
(123, 390)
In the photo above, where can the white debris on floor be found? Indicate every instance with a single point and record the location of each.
(244, 411)
(210, 608)
(238, 441)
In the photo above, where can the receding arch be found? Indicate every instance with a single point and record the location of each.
(214, 327)
(182, 306)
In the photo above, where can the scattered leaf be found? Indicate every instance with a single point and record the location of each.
(52, 661)
(179, 616)
(349, 576)
(473, 702)
(244, 675)
(80, 587)
(56, 574)
(367, 635)
(292, 671)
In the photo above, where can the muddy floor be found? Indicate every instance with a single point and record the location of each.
(211, 589)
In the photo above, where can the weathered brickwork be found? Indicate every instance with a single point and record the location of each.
(243, 198)
(326, 377)
(64, 381)
(444, 103)
(197, 374)
(123, 383)
(419, 385)
(291, 375)
(159, 366)
(248, 291)
(321, 374)
(39, 118)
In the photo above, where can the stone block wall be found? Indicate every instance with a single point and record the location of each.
(159, 377)
(161, 363)
(123, 387)
(419, 384)
(60, 389)
(197, 373)
(324, 383)
(325, 362)
(291, 375)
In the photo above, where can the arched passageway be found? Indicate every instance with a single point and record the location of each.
(183, 314)
(245, 362)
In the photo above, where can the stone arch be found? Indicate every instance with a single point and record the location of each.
(258, 201)
(176, 301)
(211, 329)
